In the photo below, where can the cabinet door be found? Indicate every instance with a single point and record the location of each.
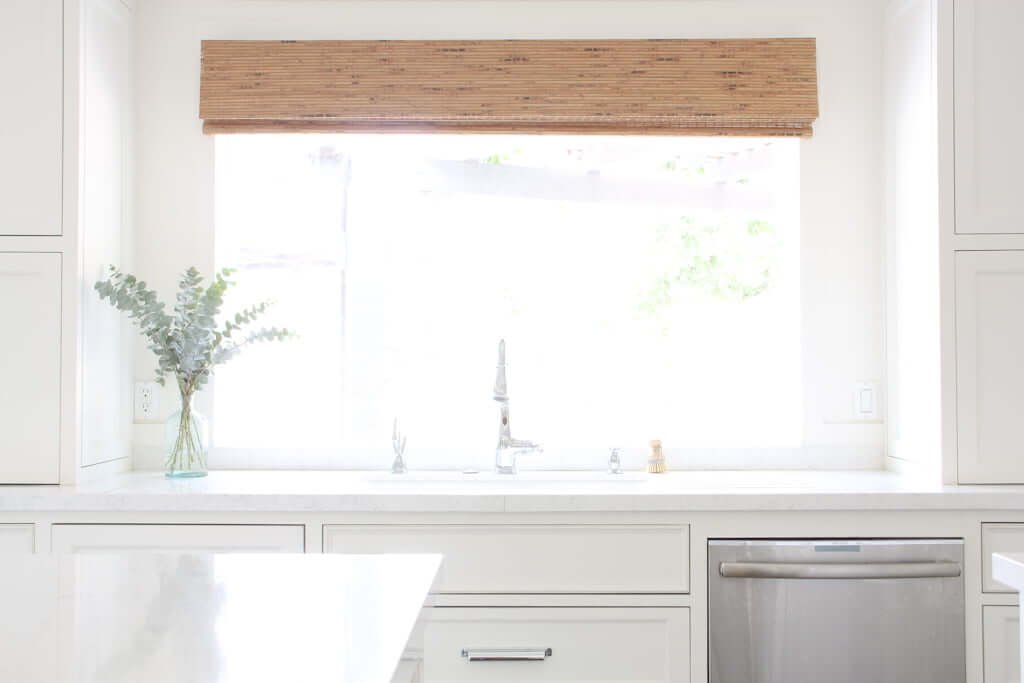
(564, 644)
(989, 99)
(202, 538)
(31, 70)
(1001, 634)
(17, 539)
(30, 303)
(990, 370)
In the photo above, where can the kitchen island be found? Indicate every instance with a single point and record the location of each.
(211, 618)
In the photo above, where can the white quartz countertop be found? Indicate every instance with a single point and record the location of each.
(211, 618)
(1008, 568)
(336, 491)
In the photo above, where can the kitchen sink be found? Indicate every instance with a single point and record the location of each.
(492, 479)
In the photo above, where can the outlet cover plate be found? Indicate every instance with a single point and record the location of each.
(147, 402)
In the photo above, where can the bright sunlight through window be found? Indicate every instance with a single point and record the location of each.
(647, 287)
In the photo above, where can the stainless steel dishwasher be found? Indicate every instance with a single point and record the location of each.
(841, 611)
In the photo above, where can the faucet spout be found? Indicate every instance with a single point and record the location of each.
(500, 382)
(508, 448)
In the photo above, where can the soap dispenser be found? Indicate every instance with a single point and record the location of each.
(656, 462)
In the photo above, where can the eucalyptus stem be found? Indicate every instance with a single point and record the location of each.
(187, 451)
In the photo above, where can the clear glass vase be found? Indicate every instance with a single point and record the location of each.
(187, 442)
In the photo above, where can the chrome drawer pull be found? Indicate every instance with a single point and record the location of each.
(835, 570)
(512, 654)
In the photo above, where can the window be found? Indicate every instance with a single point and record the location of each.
(647, 287)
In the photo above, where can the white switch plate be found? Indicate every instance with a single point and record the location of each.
(147, 402)
(865, 401)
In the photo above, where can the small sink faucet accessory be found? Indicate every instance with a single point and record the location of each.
(398, 445)
(508, 448)
(614, 462)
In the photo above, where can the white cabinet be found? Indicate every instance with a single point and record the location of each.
(204, 538)
(989, 98)
(536, 558)
(608, 644)
(31, 70)
(1001, 635)
(17, 539)
(990, 366)
(30, 365)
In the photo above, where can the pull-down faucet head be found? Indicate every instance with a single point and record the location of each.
(500, 382)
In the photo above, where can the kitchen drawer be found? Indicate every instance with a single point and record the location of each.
(17, 539)
(203, 538)
(998, 538)
(612, 645)
(535, 558)
(1001, 633)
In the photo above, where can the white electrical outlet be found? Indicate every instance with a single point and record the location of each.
(147, 401)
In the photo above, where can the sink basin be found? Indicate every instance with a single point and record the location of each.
(525, 479)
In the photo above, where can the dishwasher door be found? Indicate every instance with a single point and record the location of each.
(878, 611)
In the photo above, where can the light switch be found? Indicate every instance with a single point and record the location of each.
(865, 401)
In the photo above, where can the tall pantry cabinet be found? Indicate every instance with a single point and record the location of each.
(984, 238)
(64, 212)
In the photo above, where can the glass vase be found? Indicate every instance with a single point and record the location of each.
(187, 441)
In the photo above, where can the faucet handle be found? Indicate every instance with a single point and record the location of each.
(614, 462)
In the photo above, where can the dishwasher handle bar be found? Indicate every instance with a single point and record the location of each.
(836, 570)
(506, 654)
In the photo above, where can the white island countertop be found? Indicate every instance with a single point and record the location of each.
(141, 617)
(352, 491)
(1008, 568)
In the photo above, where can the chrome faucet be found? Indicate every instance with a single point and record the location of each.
(508, 448)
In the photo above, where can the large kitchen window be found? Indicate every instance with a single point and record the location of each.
(647, 287)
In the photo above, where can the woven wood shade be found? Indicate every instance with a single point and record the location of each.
(684, 87)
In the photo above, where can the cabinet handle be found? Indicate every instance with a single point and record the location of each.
(511, 654)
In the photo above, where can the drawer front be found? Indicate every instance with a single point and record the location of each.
(611, 645)
(1001, 633)
(535, 558)
(17, 539)
(203, 538)
(998, 538)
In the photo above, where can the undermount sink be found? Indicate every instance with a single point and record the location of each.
(530, 478)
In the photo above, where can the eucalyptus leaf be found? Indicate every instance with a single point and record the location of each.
(188, 344)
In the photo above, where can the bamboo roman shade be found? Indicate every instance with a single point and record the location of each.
(762, 87)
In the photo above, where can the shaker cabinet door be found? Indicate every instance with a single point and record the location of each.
(30, 303)
(17, 539)
(1001, 633)
(989, 98)
(31, 70)
(990, 367)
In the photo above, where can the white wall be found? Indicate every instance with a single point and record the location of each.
(912, 236)
(841, 166)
